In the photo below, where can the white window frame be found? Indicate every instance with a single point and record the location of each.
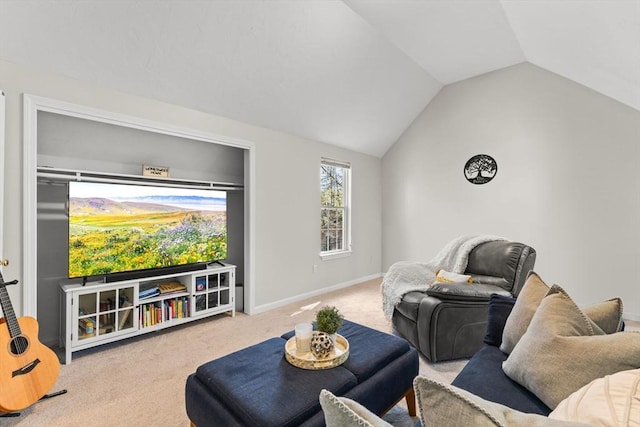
(346, 230)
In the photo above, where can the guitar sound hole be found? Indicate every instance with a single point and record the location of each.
(19, 345)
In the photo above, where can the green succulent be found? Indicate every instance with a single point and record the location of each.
(328, 319)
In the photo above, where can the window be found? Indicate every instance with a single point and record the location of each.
(334, 207)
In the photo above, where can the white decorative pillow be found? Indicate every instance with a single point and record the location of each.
(446, 405)
(611, 401)
(443, 276)
(563, 350)
(344, 412)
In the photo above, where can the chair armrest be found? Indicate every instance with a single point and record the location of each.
(465, 291)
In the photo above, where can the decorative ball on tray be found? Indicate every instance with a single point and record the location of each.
(321, 345)
(328, 320)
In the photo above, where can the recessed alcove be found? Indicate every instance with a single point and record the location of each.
(67, 140)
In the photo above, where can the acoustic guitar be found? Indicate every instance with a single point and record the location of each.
(28, 368)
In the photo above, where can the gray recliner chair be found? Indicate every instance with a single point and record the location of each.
(449, 320)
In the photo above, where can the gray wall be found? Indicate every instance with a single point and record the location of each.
(74, 143)
(286, 189)
(567, 181)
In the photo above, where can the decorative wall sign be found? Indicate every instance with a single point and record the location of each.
(155, 171)
(480, 169)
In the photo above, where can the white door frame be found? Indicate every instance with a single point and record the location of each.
(33, 104)
(2, 133)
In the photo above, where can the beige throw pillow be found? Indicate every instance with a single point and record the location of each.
(344, 412)
(607, 315)
(446, 405)
(561, 351)
(528, 300)
(611, 401)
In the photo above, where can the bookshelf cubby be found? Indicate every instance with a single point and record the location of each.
(100, 313)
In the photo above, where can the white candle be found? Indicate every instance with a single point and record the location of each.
(303, 337)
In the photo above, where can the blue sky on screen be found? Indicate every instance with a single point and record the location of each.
(189, 198)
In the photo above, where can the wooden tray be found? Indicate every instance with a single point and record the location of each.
(310, 362)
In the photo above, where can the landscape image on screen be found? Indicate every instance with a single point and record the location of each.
(120, 227)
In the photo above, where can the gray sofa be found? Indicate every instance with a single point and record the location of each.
(560, 341)
(449, 320)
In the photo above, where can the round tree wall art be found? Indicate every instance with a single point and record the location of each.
(480, 169)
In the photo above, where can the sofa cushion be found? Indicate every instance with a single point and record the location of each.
(344, 412)
(362, 361)
(562, 350)
(442, 405)
(499, 309)
(499, 259)
(608, 402)
(499, 282)
(607, 315)
(464, 291)
(483, 376)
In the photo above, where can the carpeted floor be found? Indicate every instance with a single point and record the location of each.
(140, 382)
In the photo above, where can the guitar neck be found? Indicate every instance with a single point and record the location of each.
(7, 309)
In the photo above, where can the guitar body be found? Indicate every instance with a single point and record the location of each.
(28, 368)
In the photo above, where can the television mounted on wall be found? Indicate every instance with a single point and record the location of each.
(127, 231)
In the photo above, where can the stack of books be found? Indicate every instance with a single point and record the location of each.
(171, 287)
(149, 292)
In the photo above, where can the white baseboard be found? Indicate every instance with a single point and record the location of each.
(631, 316)
(322, 291)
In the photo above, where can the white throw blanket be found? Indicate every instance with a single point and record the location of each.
(406, 276)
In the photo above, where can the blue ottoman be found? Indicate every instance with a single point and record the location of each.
(256, 386)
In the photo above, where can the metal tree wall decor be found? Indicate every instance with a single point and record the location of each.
(480, 169)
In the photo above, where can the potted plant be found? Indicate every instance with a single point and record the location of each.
(328, 320)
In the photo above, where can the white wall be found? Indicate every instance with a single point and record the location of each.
(286, 188)
(288, 200)
(567, 180)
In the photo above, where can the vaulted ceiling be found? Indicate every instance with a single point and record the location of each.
(352, 73)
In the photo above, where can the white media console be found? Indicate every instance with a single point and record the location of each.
(100, 313)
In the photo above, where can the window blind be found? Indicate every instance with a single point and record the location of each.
(337, 163)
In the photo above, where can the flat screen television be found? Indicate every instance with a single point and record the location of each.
(133, 230)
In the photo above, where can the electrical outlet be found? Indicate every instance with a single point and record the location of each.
(315, 268)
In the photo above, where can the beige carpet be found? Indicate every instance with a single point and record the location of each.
(140, 381)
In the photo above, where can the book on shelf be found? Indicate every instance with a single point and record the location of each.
(171, 287)
(176, 308)
(151, 314)
(168, 308)
(124, 315)
(146, 319)
(148, 292)
(87, 324)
